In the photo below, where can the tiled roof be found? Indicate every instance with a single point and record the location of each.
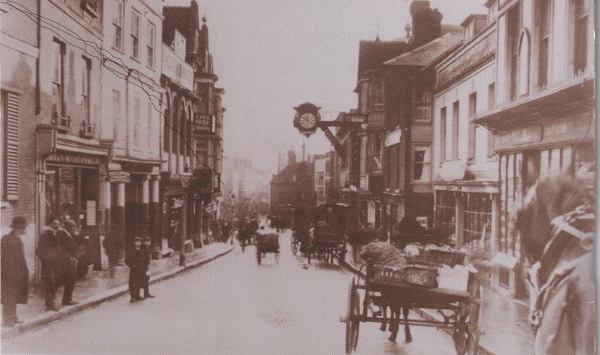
(429, 52)
(372, 54)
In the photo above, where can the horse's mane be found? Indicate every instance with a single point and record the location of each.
(549, 198)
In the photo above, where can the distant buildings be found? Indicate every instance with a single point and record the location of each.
(293, 187)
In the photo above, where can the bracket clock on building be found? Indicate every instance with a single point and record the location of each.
(307, 118)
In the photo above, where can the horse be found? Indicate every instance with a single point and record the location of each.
(556, 224)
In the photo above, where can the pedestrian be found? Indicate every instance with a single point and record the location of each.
(69, 241)
(147, 251)
(50, 253)
(134, 258)
(15, 274)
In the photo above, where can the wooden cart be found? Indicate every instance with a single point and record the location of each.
(397, 291)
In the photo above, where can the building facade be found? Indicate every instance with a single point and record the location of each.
(132, 97)
(465, 174)
(543, 121)
(20, 106)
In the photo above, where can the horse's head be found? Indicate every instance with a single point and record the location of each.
(544, 201)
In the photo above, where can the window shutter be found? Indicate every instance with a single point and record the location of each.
(12, 146)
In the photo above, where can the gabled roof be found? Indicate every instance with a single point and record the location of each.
(372, 54)
(429, 52)
(286, 175)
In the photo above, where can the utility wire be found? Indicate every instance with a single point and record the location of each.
(103, 55)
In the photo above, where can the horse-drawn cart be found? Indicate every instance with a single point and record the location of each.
(328, 237)
(266, 243)
(386, 292)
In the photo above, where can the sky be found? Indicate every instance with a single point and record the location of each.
(273, 55)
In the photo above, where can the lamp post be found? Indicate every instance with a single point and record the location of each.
(185, 183)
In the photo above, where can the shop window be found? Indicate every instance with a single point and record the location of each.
(511, 195)
(9, 168)
(445, 212)
(477, 221)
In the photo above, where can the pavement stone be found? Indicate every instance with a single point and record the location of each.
(104, 285)
(504, 325)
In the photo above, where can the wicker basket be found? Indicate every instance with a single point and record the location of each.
(438, 258)
(410, 275)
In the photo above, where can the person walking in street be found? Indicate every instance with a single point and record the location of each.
(147, 251)
(70, 247)
(134, 258)
(15, 275)
(50, 253)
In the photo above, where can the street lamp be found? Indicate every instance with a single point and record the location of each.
(185, 183)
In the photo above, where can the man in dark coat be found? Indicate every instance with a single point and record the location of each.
(50, 253)
(15, 275)
(71, 252)
(147, 248)
(135, 259)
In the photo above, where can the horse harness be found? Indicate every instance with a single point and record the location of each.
(562, 227)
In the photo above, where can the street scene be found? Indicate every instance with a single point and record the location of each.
(297, 177)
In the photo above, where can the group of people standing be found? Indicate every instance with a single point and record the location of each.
(59, 250)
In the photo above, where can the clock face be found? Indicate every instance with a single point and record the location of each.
(307, 120)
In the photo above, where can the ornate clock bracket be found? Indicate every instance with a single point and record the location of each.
(307, 127)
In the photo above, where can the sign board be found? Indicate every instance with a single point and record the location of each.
(204, 122)
(526, 135)
(355, 117)
(393, 137)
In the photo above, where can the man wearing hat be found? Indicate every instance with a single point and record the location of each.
(135, 259)
(15, 275)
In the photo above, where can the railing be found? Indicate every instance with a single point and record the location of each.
(87, 129)
(62, 124)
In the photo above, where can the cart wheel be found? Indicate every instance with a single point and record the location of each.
(294, 244)
(258, 257)
(466, 334)
(352, 321)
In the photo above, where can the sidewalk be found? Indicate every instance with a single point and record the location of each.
(504, 326)
(100, 286)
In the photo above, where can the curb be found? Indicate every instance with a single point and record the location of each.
(95, 300)
(425, 314)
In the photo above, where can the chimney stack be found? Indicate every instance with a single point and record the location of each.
(426, 23)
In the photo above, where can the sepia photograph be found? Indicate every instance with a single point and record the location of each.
(298, 177)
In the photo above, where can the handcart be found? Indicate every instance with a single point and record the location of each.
(417, 286)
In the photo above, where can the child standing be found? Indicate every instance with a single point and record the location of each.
(147, 250)
(137, 268)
